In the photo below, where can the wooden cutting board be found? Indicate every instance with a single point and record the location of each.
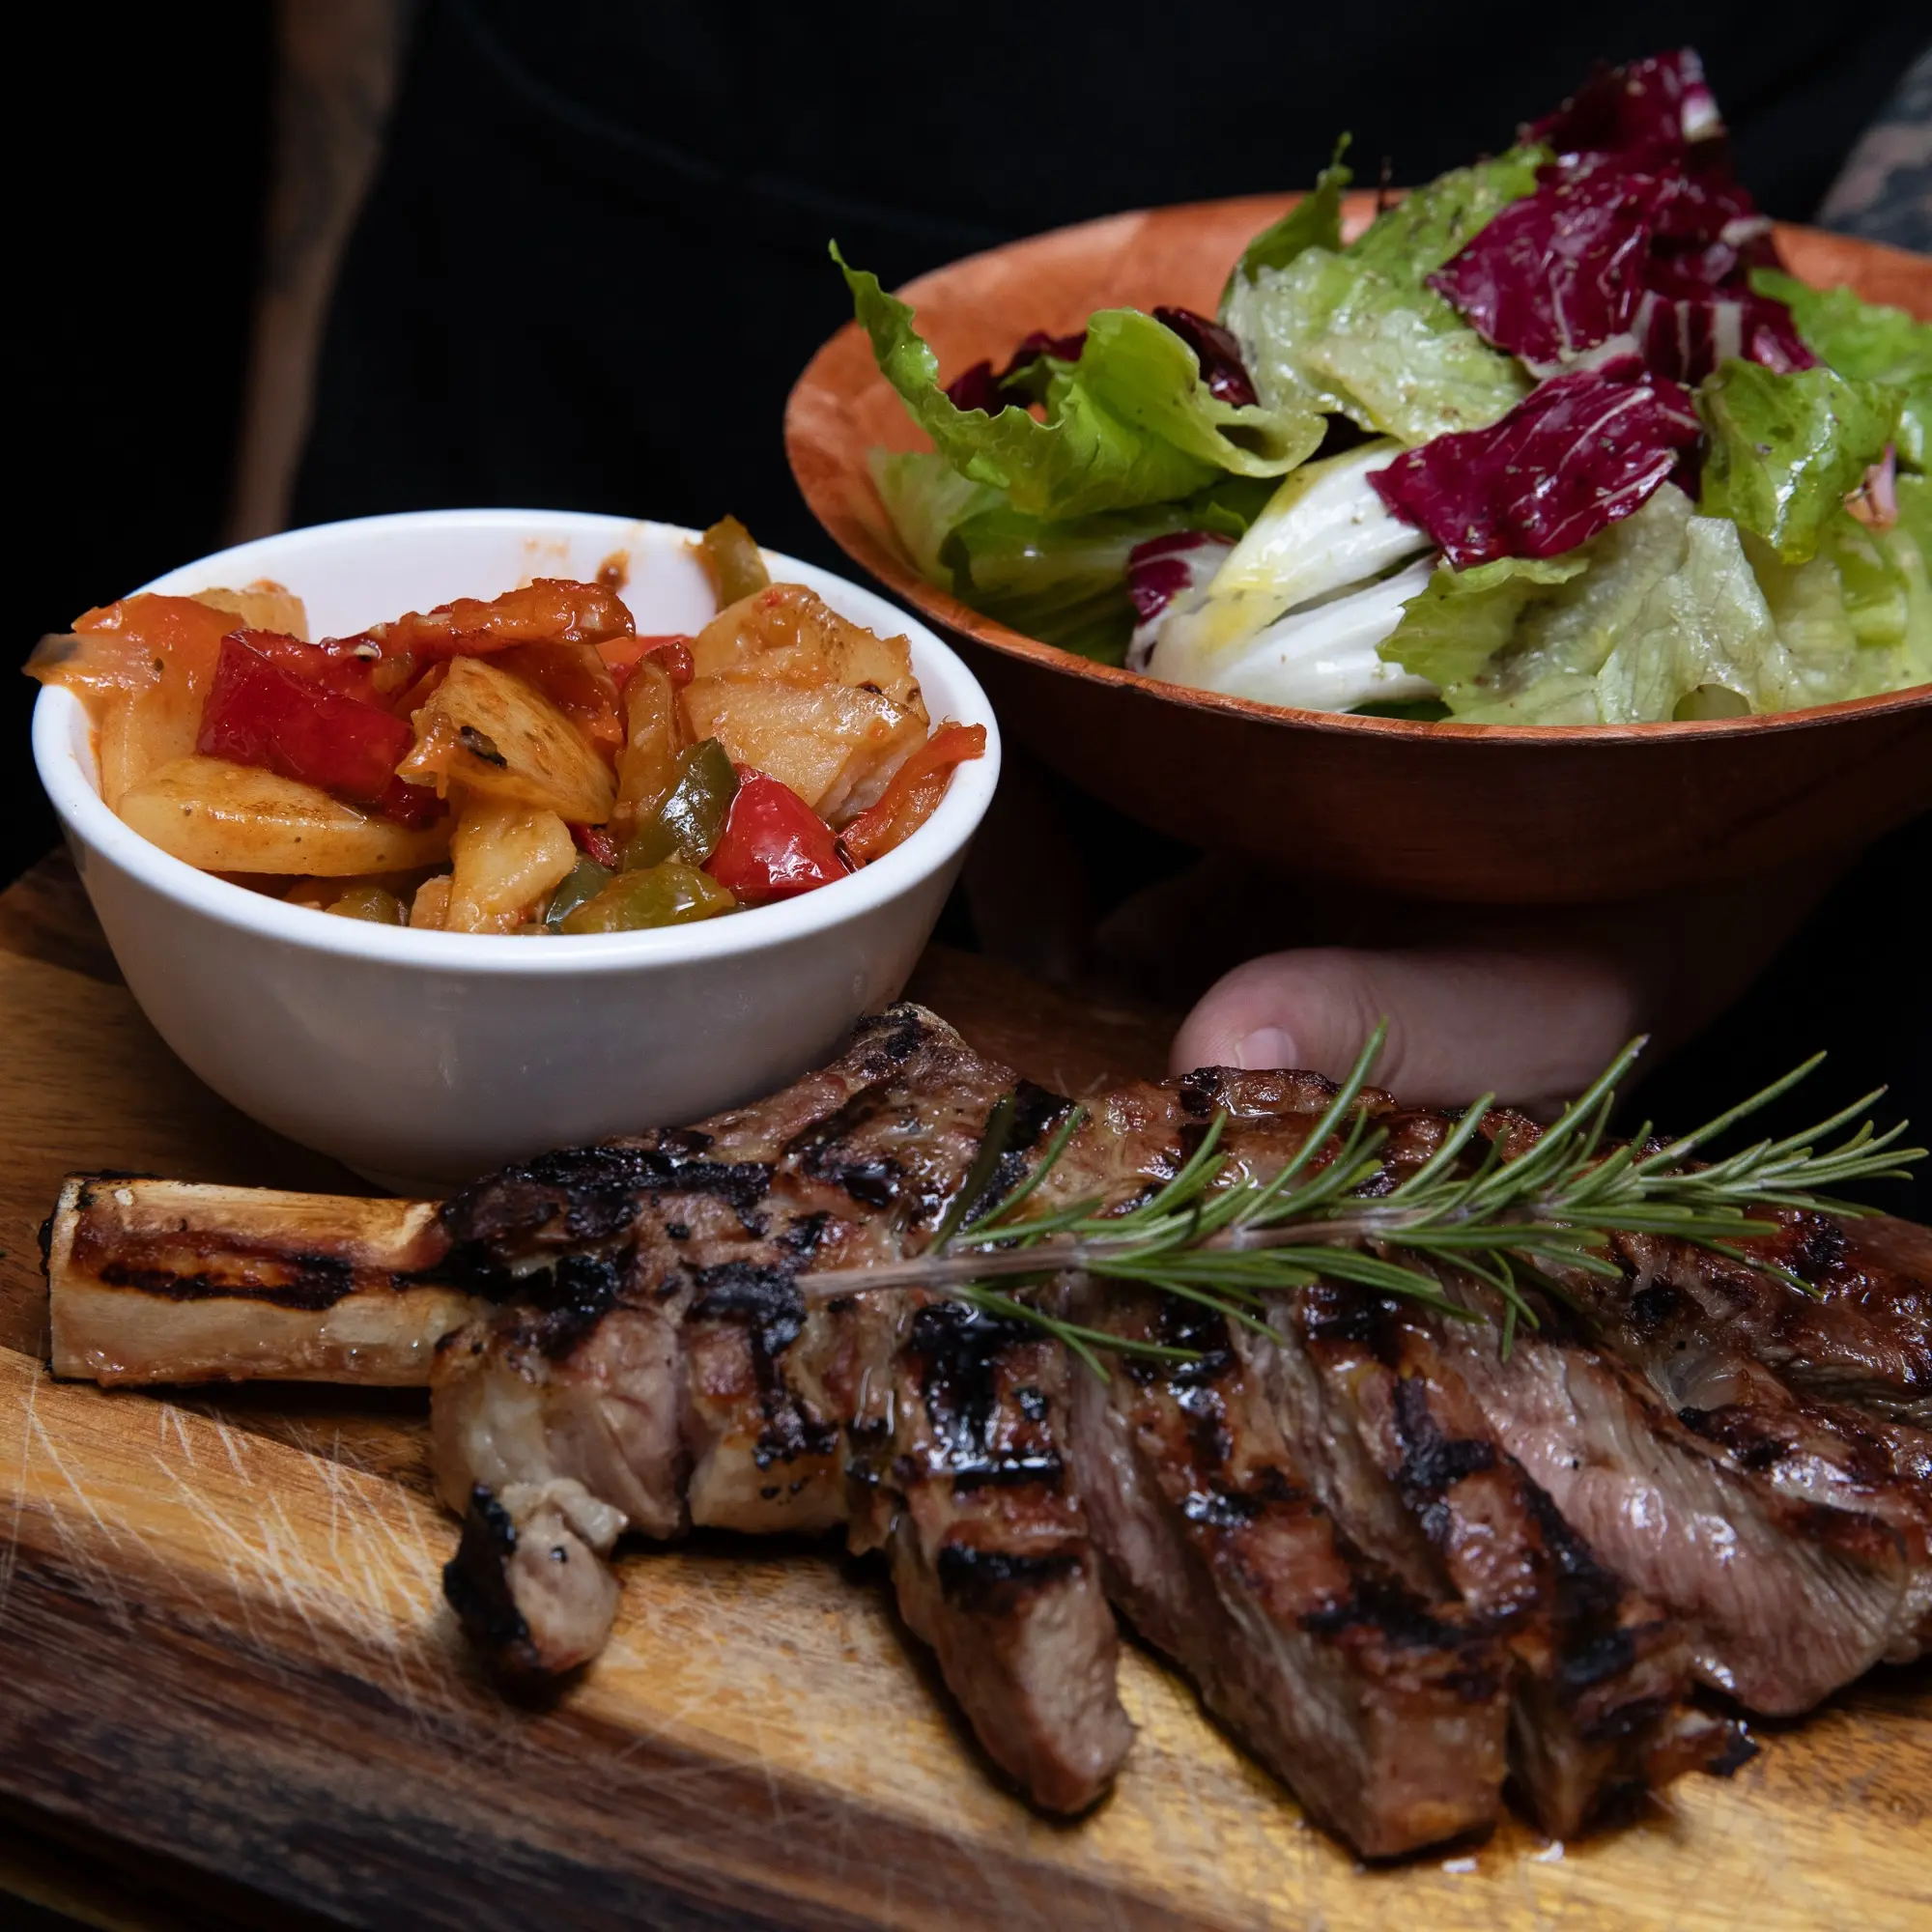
(227, 1676)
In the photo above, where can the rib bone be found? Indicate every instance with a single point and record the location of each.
(165, 1281)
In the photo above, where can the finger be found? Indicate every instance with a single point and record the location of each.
(1531, 1028)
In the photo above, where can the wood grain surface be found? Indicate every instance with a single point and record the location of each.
(225, 1663)
(1469, 813)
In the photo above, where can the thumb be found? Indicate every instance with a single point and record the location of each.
(1532, 1028)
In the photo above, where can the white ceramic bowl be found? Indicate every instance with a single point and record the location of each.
(423, 1058)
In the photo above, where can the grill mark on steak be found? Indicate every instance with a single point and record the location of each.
(1703, 1344)
(953, 1462)
(1599, 1677)
(1383, 1713)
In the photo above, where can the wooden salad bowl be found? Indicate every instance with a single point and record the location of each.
(1479, 814)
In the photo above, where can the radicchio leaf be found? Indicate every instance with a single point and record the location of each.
(1640, 228)
(980, 388)
(1162, 570)
(1685, 337)
(1557, 273)
(1578, 454)
(1660, 104)
(1217, 351)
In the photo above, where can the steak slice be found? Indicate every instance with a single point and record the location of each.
(1707, 1367)
(962, 1469)
(656, 1366)
(1411, 1466)
(1785, 1599)
(1383, 1714)
(1863, 1336)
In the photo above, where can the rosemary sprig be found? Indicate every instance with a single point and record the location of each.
(1227, 1241)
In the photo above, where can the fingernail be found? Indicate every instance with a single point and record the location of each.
(1265, 1047)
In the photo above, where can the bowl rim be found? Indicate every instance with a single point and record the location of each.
(890, 565)
(60, 719)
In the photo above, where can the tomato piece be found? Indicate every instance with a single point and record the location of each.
(576, 679)
(551, 610)
(335, 665)
(596, 842)
(774, 846)
(259, 713)
(623, 655)
(915, 790)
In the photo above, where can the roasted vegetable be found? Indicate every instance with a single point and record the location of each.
(508, 857)
(733, 562)
(690, 819)
(239, 818)
(773, 845)
(792, 689)
(916, 789)
(500, 736)
(667, 894)
(372, 903)
(260, 713)
(583, 881)
(549, 610)
(654, 735)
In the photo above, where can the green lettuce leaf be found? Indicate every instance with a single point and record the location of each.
(1672, 615)
(1707, 630)
(1065, 580)
(1408, 242)
(1888, 592)
(1357, 332)
(1333, 334)
(1131, 424)
(1785, 448)
(1315, 221)
(926, 498)
(1866, 341)
(1464, 618)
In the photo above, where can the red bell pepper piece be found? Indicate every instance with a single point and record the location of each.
(773, 845)
(595, 841)
(915, 790)
(550, 610)
(334, 664)
(259, 713)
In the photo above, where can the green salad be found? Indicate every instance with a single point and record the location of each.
(1555, 439)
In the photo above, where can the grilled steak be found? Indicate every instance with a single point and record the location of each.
(1679, 1329)
(1393, 1551)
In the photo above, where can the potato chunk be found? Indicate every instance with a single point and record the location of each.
(262, 606)
(837, 748)
(237, 818)
(786, 684)
(508, 857)
(501, 737)
(791, 633)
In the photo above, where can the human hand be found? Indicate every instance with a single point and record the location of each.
(1529, 1004)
